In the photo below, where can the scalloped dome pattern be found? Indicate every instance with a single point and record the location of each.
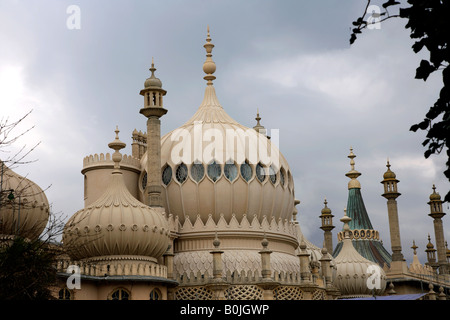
(28, 213)
(116, 224)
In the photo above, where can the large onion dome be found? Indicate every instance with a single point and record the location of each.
(212, 165)
(355, 275)
(24, 207)
(116, 224)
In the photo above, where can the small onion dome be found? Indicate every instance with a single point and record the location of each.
(435, 196)
(153, 81)
(24, 210)
(429, 244)
(356, 276)
(389, 174)
(326, 210)
(117, 223)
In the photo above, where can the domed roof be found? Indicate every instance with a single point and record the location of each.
(326, 210)
(435, 196)
(116, 223)
(430, 246)
(26, 212)
(388, 175)
(214, 165)
(354, 273)
(153, 81)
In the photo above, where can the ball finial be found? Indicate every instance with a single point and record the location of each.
(209, 67)
(117, 145)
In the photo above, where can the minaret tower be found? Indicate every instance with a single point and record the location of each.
(153, 109)
(327, 226)
(431, 255)
(437, 213)
(391, 194)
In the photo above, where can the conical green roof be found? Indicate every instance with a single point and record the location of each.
(370, 248)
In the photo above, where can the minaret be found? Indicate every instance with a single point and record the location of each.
(391, 194)
(437, 213)
(153, 109)
(431, 255)
(327, 226)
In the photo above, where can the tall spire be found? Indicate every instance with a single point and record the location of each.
(209, 67)
(365, 238)
(391, 194)
(153, 110)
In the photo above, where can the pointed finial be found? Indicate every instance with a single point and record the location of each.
(353, 174)
(258, 118)
(414, 247)
(216, 241)
(264, 241)
(152, 68)
(209, 67)
(116, 145)
(352, 156)
(346, 219)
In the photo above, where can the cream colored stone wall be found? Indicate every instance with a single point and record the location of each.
(97, 173)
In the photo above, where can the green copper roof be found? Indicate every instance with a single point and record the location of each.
(370, 249)
(357, 210)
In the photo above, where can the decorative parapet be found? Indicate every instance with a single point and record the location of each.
(128, 266)
(236, 278)
(105, 161)
(425, 270)
(247, 227)
(360, 234)
(174, 225)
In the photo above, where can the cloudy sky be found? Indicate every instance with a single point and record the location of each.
(291, 59)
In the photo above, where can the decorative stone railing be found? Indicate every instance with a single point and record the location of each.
(129, 266)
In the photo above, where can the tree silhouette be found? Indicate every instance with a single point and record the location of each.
(429, 23)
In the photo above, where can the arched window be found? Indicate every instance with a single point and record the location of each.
(155, 294)
(197, 171)
(214, 171)
(181, 173)
(144, 181)
(272, 175)
(64, 294)
(85, 187)
(282, 177)
(260, 172)
(230, 171)
(120, 294)
(246, 171)
(167, 175)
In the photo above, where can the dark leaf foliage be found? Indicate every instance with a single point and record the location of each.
(429, 23)
(26, 270)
